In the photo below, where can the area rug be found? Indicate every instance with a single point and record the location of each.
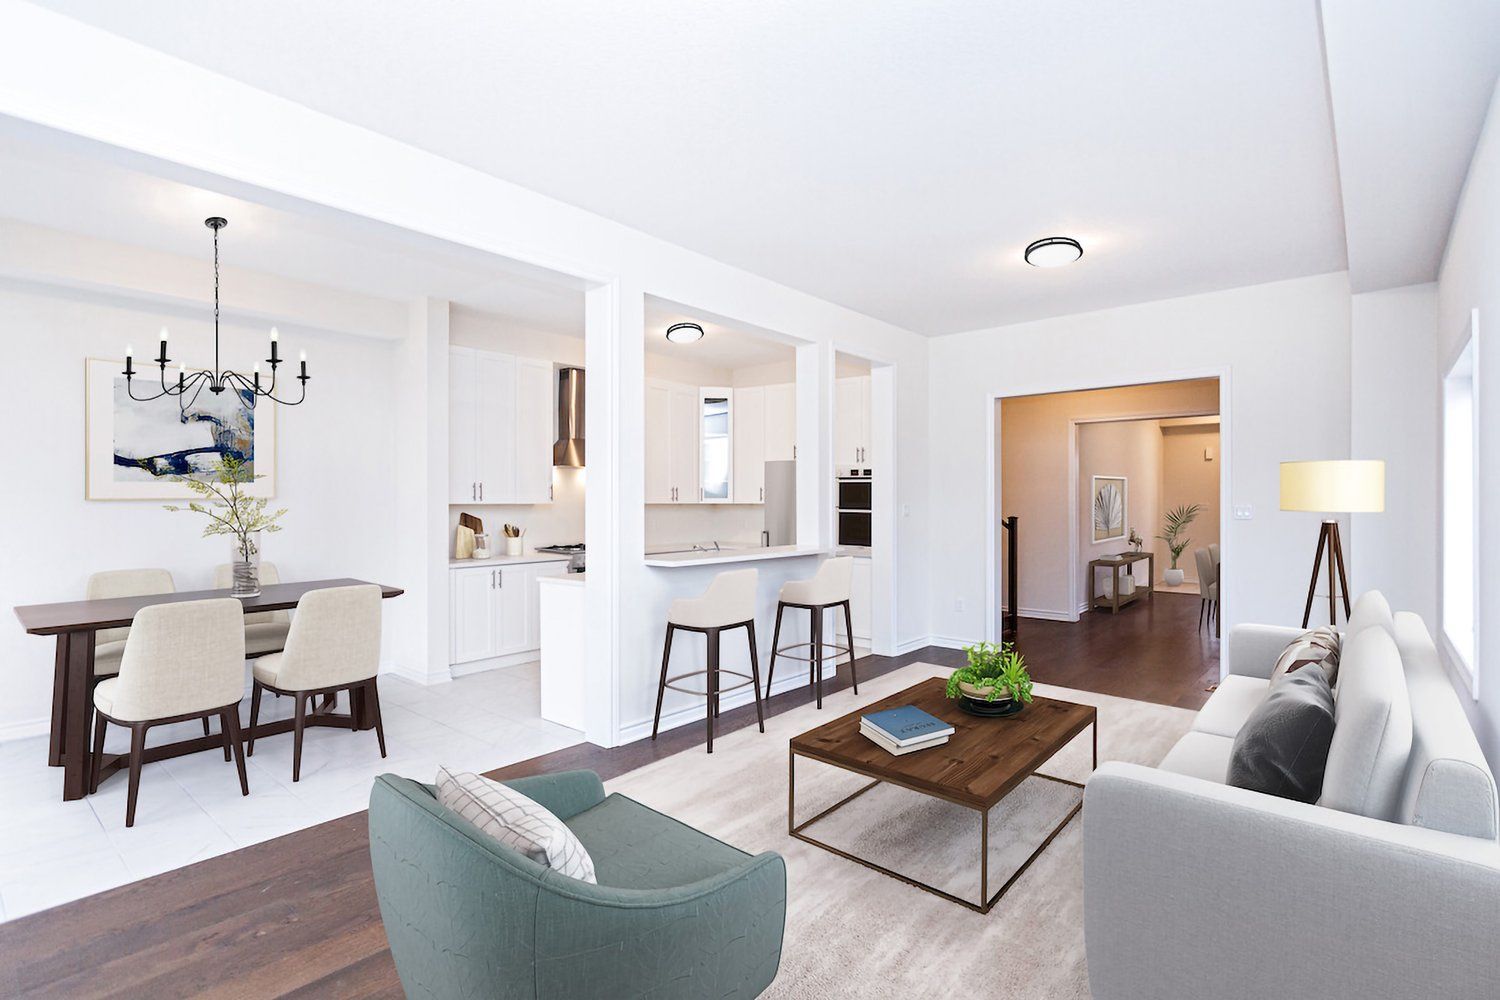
(853, 932)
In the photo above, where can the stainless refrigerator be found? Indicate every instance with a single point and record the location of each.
(781, 504)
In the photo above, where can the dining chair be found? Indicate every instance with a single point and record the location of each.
(109, 643)
(181, 661)
(1208, 589)
(333, 646)
(265, 631)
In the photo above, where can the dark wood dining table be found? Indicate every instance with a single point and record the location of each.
(76, 623)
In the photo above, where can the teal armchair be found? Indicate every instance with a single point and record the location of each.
(675, 913)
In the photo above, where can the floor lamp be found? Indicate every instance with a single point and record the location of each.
(1333, 487)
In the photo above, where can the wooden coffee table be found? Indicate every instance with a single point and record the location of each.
(982, 762)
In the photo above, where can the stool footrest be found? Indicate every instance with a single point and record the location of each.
(828, 647)
(748, 680)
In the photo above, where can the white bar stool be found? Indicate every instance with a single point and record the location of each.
(828, 588)
(729, 602)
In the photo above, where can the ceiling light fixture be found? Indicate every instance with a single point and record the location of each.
(1054, 251)
(187, 386)
(684, 333)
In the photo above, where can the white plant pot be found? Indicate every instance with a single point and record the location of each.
(1173, 577)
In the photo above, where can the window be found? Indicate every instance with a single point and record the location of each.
(1460, 638)
(714, 459)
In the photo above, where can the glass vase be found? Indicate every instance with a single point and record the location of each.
(245, 564)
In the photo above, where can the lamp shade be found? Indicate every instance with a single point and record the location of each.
(1334, 487)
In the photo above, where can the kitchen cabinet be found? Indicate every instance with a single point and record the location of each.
(499, 428)
(750, 445)
(861, 594)
(851, 422)
(671, 442)
(496, 610)
(781, 422)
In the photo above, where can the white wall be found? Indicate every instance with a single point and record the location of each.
(1129, 448)
(336, 472)
(1394, 396)
(1283, 349)
(1470, 279)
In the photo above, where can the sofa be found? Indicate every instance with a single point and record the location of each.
(1388, 886)
(675, 913)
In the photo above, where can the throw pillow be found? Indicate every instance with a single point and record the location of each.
(515, 821)
(1320, 647)
(1282, 749)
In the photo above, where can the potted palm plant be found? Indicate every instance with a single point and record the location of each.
(1174, 523)
(995, 680)
(230, 511)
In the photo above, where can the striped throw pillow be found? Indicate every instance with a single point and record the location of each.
(515, 821)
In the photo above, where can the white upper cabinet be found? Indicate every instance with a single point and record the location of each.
(750, 445)
(851, 421)
(499, 428)
(781, 422)
(658, 443)
(671, 442)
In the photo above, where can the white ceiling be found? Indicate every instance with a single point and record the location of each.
(896, 157)
(1410, 83)
(893, 157)
(725, 344)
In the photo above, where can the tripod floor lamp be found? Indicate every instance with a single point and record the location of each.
(1333, 487)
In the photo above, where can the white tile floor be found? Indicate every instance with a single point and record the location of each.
(190, 808)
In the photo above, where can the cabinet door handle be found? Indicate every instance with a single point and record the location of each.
(492, 579)
(481, 491)
(500, 575)
(762, 493)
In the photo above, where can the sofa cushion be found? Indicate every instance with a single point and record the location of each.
(1200, 755)
(514, 821)
(1372, 728)
(635, 847)
(1229, 706)
(1448, 784)
(1282, 748)
(1316, 648)
(1370, 608)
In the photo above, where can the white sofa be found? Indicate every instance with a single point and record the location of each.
(1388, 887)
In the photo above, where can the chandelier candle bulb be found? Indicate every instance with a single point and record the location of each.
(274, 338)
(163, 359)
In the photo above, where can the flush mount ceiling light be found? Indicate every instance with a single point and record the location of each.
(684, 333)
(1054, 251)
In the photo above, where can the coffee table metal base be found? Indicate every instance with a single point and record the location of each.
(986, 901)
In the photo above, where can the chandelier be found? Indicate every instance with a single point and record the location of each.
(188, 386)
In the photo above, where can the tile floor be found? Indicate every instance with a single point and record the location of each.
(190, 808)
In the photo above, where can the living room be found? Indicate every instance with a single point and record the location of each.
(1299, 201)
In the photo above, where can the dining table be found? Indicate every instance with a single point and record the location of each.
(76, 624)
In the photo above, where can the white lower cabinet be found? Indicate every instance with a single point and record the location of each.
(495, 610)
(861, 593)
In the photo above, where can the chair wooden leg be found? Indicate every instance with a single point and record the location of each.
(223, 731)
(760, 715)
(1202, 606)
(137, 746)
(849, 637)
(208, 732)
(255, 692)
(229, 721)
(97, 760)
(298, 722)
(713, 684)
(775, 641)
(661, 686)
(373, 687)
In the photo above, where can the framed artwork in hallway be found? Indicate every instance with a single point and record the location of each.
(1109, 508)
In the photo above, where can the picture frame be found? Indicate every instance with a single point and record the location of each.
(1110, 507)
(133, 448)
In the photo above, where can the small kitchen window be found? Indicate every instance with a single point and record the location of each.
(716, 457)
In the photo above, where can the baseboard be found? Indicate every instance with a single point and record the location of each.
(422, 677)
(1048, 615)
(691, 714)
(909, 645)
(494, 663)
(25, 730)
(950, 642)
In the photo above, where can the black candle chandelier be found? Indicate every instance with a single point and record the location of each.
(189, 385)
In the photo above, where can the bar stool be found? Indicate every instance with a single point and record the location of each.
(729, 602)
(828, 588)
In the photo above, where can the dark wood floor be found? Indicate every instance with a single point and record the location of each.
(297, 916)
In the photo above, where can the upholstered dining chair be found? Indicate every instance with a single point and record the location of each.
(333, 646)
(181, 661)
(109, 643)
(1208, 590)
(265, 631)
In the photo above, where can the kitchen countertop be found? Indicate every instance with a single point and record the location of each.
(565, 578)
(711, 558)
(503, 560)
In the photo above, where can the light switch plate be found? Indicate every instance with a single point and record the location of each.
(1243, 512)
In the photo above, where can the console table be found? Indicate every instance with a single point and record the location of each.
(1115, 563)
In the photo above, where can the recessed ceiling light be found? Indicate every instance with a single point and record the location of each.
(1054, 251)
(684, 333)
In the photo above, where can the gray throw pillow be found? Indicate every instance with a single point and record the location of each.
(1282, 748)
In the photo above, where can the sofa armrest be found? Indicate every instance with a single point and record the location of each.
(565, 794)
(1194, 889)
(1253, 649)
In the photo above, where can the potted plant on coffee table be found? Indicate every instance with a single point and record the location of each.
(1174, 523)
(995, 681)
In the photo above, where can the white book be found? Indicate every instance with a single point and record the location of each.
(886, 743)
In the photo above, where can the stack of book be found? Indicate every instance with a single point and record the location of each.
(904, 730)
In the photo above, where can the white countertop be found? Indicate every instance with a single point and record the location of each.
(565, 578)
(676, 559)
(503, 560)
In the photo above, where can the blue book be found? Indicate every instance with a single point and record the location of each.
(907, 724)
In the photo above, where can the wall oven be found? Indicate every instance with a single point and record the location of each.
(854, 497)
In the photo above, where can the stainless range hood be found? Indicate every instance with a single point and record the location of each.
(568, 450)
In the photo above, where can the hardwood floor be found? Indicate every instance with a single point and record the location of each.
(297, 916)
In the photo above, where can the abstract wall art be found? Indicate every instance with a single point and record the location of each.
(133, 449)
(1109, 508)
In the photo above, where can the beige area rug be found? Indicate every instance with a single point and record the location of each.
(853, 932)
